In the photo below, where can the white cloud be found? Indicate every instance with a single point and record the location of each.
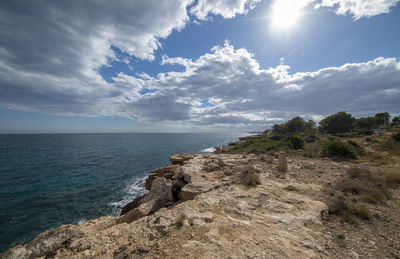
(359, 8)
(225, 8)
(50, 55)
(243, 94)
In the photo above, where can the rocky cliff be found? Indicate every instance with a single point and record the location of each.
(201, 206)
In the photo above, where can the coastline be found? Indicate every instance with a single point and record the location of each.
(208, 180)
(202, 206)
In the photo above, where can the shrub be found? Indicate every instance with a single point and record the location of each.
(357, 172)
(341, 240)
(390, 145)
(371, 187)
(357, 148)
(338, 149)
(249, 176)
(295, 142)
(396, 136)
(392, 178)
(360, 210)
(341, 206)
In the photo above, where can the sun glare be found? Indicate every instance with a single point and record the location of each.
(285, 14)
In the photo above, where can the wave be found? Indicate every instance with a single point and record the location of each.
(81, 221)
(208, 150)
(134, 188)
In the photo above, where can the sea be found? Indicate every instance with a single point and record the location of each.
(47, 180)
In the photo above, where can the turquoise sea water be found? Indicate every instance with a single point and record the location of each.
(47, 180)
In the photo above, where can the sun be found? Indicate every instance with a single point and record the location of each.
(285, 14)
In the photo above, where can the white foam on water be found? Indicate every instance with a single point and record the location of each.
(134, 188)
(81, 221)
(208, 150)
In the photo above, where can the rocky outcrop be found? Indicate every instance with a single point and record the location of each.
(161, 195)
(213, 216)
(166, 172)
(180, 158)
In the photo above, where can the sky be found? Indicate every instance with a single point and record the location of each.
(194, 65)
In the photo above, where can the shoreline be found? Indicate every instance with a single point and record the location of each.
(211, 205)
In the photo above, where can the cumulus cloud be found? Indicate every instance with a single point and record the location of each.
(225, 8)
(51, 51)
(359, 8)
(50, 55)
(239, 92)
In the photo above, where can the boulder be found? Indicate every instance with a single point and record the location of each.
(167, 172)
(161, 190)
(178, 184)
(137, 213)
(209, 167)
(160, 196)
(180, 158)
(282, 162)
(266, 158)
(132, 205)
(190, 191)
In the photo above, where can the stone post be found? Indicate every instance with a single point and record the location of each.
(282, 163)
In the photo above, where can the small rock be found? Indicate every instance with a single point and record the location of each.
(180, 158)
(212, 167)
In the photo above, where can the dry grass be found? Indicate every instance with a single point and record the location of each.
(249, 176)
(371, 187)
(392, 178)
(343, 207)
(360, 210)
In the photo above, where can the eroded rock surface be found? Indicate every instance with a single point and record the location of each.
(215, 216)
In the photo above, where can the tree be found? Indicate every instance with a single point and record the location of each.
(396, 121)
(367, 123)
(295, 125)
(382, 119)
(311, 126)
(337, 123)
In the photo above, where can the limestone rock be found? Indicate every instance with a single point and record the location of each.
(178, 183)
(132, 205)
(212, 166)
(167, 172)
(180, 158)
(137, 213)
(190, 191)
(161, 195)
(161, 191)
(282, 162)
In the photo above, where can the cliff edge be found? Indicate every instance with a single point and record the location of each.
(215, 206)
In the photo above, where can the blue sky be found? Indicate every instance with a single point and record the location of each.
(194, 66)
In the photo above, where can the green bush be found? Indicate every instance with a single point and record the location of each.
(390, 144)
(338, 149)
(295, 142)
(357, 148)
(396, 136)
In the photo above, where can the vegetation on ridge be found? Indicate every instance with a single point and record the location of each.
(298, 135)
